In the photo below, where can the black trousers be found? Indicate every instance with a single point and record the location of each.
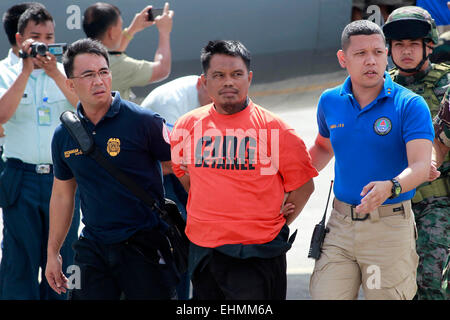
(111, 272)
(229, 278)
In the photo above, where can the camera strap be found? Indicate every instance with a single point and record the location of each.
(23, 55)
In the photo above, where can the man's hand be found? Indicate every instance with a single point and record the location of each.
(185, 168)
(374, 193)
(434, 172)
(164, 22)
(27, 63)
(287, 208)
(55, 277)
(166, 167)
(48, 63)
(140, 21)
(296, 201)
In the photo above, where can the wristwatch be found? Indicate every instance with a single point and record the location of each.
(396, 189)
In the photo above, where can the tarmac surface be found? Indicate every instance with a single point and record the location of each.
(295, 101)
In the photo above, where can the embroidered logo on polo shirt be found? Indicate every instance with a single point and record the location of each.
(76, 152)
(339, 125)
(113, 147)
(382, 126)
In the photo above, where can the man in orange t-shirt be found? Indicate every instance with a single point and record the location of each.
(241, 160)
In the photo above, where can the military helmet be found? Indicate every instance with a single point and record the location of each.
(410, 22)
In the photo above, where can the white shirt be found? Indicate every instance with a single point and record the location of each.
(25, 138)
(173, 99)
(9, 72)
(10, 60)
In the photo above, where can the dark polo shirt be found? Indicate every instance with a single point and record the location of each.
(135, 140)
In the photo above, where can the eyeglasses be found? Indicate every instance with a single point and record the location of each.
(103, 74)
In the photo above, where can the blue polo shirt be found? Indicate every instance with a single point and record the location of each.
(135, 140)
(369, 144)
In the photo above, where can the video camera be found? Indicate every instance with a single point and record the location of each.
(39, 48)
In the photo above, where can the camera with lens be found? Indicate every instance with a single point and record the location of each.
(39, 48)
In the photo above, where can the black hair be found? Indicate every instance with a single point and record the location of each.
(38, 14)
(98, 18)
(79, 47)
(11, 19)
(228, 47)
(359, 27)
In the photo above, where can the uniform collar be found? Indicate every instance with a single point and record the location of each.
(387, 91)
(115, 105)
(408, 80)
(112, 111)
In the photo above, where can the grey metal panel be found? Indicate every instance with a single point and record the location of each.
(286, 37)
(265, 26)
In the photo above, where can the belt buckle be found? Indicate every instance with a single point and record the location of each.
(42, 168)
(357, 219)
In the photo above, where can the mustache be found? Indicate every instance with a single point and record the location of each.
(232, 90)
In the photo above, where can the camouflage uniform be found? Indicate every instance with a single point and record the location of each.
(442, 129)
(441, 52)
(446, 277)
(431, 204)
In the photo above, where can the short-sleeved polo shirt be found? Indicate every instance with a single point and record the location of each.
(369, 143)
(10, 60)
(135, 140)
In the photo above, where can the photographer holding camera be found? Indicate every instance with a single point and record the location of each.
(103, 22)
(10, 19)
(30, 104)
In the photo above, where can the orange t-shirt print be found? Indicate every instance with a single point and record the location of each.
(239, 166)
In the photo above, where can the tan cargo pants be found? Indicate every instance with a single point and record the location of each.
(378, 253)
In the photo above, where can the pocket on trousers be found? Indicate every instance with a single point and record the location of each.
(399, 280)
(397, 232)
(341, 218)
(408, 287)
(396, 221)
(10, 184)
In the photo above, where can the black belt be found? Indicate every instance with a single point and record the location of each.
(42, 168)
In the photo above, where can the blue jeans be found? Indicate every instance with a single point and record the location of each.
(114, 271)
(25, 236)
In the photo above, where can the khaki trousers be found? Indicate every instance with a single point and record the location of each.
(378, 253)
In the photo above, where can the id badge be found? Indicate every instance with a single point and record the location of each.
(44, 118)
